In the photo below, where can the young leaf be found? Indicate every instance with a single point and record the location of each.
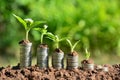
(21, 21)
(29, 24)
(69, 42)
(43, 31)
(72, 46)
(38, 29)
(75, 44)
(29, 21)
(50, 36)
(45, 26)
(54, 38)
(36, 23)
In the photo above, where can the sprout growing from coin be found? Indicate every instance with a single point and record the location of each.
(72, 57)
(42, 50)
(87, 64)
(58, 55)
(25, 45)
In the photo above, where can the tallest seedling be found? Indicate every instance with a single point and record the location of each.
(25, 50)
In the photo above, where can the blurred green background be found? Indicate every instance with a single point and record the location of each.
(95, 22)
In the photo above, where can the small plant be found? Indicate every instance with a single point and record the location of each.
(25, 49)
(28, 24)
(87, 64)
(72, 47)
(58, 55)
(42, 50)
(43, 32)
(87, 54)
(56, 39)
(72, 58)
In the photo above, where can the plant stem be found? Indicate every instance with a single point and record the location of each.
(27, 35)
(57, 44)
(71, 49)
(41, 38)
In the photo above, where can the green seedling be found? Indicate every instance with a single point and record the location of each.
(56, 39)
(57, 57)
(87, 54)
(72, 47)
(42, 52)
(28, 24)
(43, 32)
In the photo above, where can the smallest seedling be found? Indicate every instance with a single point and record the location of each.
(87, 54)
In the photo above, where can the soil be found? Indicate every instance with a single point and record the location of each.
(34, 73)
(89, 61)
(43, 46)
(74, 53)
(24, 42)
(58, 50)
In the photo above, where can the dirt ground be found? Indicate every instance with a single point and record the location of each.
(34, 73)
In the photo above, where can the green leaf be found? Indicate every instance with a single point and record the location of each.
(28, 21)
(38, 29)
(75, 44)
(70, 44)
(50, 38)
(21, 21)
(50, 35)
(36, 23)
(43, 31)
(45, 26)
